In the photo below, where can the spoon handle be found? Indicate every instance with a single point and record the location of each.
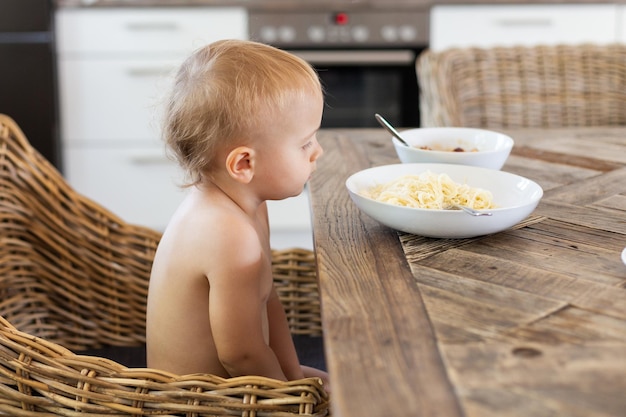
(384, 123)
(471, 211)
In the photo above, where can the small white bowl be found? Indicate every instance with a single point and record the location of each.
(491, 148)
(624, 256)
(515, 196)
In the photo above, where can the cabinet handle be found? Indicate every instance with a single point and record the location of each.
(151, 26)
(150, 159)
(365, 57)
(530, 22)
(150, 71)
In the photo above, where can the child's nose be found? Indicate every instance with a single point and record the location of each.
(319, 151)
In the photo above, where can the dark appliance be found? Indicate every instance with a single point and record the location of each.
(365, 59)
(27, 72)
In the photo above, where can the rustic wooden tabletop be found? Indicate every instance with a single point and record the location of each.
(526, 322)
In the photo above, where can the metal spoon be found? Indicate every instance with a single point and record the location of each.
(390, 129)
(470, 210)
(384, 123)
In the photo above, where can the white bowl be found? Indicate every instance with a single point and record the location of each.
(515, 196)
(492, 148)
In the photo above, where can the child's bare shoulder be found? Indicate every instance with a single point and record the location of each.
(211, 236)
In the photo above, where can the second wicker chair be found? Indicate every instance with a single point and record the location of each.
(513, 87)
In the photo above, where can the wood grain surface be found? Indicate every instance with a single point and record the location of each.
(527, 322)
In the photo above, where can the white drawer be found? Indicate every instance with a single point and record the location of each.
(115, 100)
(507, 25)
(291, 214)
(142, 31)
(137, 184)
(621, 25)
(140, 185)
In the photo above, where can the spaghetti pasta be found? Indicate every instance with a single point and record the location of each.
(431, 191)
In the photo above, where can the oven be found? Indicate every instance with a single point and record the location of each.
(365, 59)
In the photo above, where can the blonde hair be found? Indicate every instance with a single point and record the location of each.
(226, 91)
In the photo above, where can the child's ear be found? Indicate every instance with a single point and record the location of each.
(240, 164)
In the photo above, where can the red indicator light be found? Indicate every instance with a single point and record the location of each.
(341, 19)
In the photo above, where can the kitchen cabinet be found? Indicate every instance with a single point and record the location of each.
(115, 66)
(523, 24)
(115, 69)
(621, 25)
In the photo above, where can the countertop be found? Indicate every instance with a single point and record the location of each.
(310, 4)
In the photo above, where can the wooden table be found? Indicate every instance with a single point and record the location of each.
(530, 322)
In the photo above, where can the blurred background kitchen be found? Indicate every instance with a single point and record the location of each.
(85, 78)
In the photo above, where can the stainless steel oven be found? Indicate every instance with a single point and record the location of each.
(365, 59)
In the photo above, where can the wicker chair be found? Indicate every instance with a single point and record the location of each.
(512, 87)
(75, 276)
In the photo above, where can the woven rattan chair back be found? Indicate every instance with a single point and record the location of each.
(75, 276)
(513, 87)
(71, 271)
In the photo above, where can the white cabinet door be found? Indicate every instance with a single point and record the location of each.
(508, 25)
(146, 31)
(115, 68)
(113, 100)
(290, 214)
(141, 185)
(138, 184)
(621, 23)
(115, 65)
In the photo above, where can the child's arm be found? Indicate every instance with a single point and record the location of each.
(282, 344)
(310, 372)
(236, 311)
(280, 338)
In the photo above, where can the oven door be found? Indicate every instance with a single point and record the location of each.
(360, 83)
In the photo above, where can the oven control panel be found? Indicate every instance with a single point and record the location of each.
(340, 29)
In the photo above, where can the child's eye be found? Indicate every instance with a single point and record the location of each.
(307, 145)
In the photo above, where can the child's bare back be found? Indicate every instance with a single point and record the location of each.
(215, 259)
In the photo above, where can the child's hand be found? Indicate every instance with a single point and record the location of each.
(310, 372)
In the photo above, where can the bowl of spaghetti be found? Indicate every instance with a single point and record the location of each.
(417, 198)
(455, 145)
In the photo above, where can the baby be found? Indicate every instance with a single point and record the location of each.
(242, 121)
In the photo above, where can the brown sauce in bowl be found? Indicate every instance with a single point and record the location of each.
(457, 149)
